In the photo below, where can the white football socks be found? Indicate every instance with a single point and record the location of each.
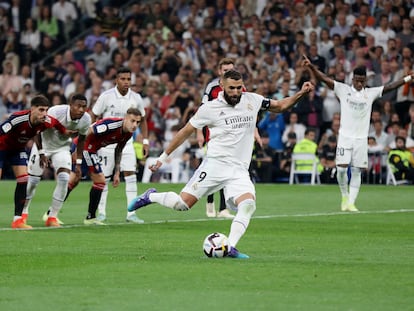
(342, 177)
(32, 183)
(240, 223)
(354, 184)
(130, 189)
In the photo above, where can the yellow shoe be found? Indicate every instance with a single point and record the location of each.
(225, 214)
(20, 224)
(352, 208)
(210, 210)
(344, 204)
(93, 221)
(52, 222)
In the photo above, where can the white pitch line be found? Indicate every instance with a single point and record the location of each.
(394, 211)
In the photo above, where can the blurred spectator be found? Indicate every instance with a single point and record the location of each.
(87, 10)
(80, 52)
(309, 111)
(341, 27)
(409, 142)
(383, 32)
(272, 125)
(109, 19)
(401, 160)
(325, 44)
(406, 35)
(332, 131)
(100, 56)
(48, 82)
(378, 133)
(183, 97)
(327, 159)
(14, 101)
(8, 79)
(410, 125)
(293, 127)
(66, 14)
(25, 76)
(94, 37)
(405, 93)
(48, 24)
(29, 42)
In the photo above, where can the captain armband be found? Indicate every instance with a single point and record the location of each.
(265, 104)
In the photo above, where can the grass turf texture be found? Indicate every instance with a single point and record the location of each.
(305, 254)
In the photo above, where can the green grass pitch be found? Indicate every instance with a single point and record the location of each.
(305, 254)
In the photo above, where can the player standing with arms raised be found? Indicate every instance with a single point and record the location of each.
(356, 106)
(231, 119)
(114, 103)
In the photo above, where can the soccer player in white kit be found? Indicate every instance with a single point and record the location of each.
(352, 148)
(114, 103)
(56, 148)
(231, 119)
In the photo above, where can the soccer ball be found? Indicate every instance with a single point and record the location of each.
(216, 245)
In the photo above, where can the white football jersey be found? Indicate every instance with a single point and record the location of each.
(111, 104)
(52, 140)
(356, 108)
(231, 128)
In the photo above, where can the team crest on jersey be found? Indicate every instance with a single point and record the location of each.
(101, 128)
(6, 127)
(249, 107)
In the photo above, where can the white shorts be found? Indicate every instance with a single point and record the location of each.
(352, 151)
(128, 159)
(60, 158)
(213, 175)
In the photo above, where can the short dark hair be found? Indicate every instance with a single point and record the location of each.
(77, 96)
(40, 100)
(123, 70)
(360, 71)
(400, 138)
(232, 74)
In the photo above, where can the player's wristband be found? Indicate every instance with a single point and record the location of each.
(145, 141)
(163, 157)
(79, 161)
(407, 79)
(41, 151)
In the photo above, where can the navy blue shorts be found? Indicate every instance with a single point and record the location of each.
(13, 157)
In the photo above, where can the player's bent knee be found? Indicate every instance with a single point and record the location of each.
(34, 179)
(247, 207)
(180, 205)
(63, 177)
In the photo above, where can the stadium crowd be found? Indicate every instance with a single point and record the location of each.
(62, 47)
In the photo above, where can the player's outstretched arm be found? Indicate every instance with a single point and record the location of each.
(407, 79)
(317, 73)
(287, 102)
